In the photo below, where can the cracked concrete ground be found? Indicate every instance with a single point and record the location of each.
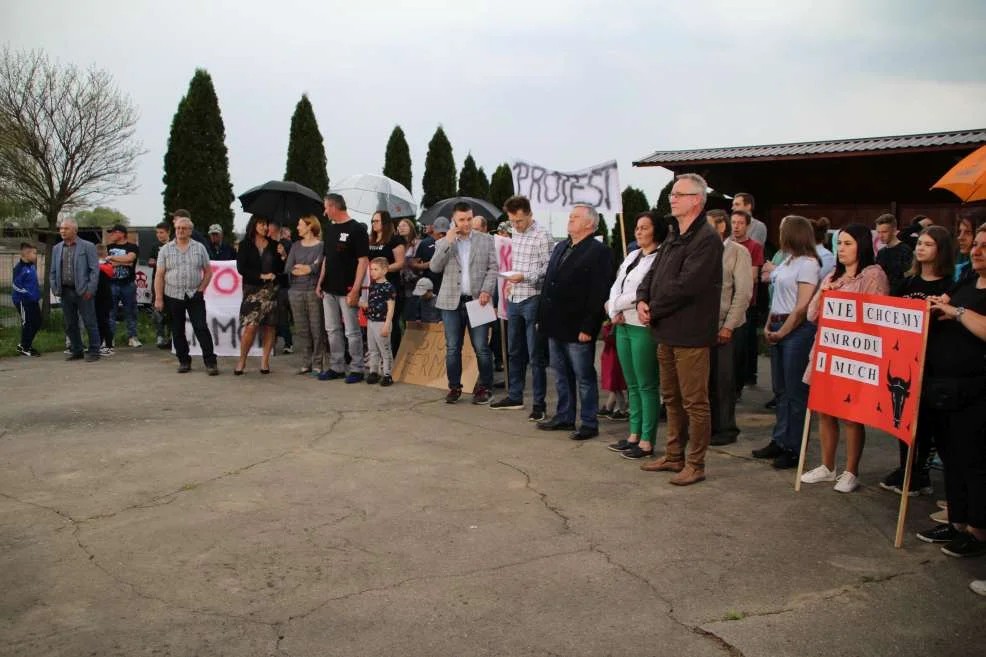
(147, 513)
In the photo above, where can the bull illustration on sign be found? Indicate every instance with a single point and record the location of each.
(900, 390)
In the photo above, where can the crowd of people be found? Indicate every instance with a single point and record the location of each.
(679, 321)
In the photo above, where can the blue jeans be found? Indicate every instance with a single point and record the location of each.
(343, 330)
(526, 346)
(127, 293)
(787, 366)
(574, 364)
(74, 305)
(455, 323)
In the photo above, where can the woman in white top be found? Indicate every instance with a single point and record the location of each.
(634, 342)
(794, 282)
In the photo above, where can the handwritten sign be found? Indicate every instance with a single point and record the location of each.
(868, 359)
(550, 190)
(222, 312)
(421, 358)
(144, 280)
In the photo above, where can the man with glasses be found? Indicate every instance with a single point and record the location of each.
(679, 298)
(183, 273)
(530, 251)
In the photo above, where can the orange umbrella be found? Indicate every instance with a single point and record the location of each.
(967, 179)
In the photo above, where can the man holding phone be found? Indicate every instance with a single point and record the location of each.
(467, 258)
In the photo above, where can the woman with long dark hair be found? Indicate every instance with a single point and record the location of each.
(634, 342)
(259, 263)
(386, 243)
(954, 390)
(855, 271)
(794, 281)
(930, 276)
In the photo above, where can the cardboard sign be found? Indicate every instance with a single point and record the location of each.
(503, 262)
(868, 360)
(421, 358)
(222, 312)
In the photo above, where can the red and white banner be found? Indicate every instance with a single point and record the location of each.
(868, 360)
(503, 263)
(222, 308)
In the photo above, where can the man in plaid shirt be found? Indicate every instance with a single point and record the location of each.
(530, 251)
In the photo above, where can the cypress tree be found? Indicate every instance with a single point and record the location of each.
(306, 150)
(634, 202)
(196, 165)
(664, 200)
(397, 159)
(439, 181)
(482, 185)
(502, 185)
(469, 178)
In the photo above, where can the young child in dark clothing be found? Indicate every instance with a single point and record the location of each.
(379, 311)
(104, 301)
(26, 296)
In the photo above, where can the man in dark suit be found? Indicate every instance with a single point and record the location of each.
(575, 288)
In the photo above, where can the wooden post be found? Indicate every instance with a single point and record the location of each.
(904, 496)
(623, 233)
(503, 354)
(804, 451)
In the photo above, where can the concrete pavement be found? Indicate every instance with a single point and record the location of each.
(144, 512)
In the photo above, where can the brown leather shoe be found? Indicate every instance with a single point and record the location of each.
(688, 476)
(663, 465)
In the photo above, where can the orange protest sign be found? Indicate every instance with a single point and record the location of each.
(868, 360)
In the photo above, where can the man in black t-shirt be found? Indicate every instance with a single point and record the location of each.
(161, 323)
(895, 257)
(123, 257)
(347, 249)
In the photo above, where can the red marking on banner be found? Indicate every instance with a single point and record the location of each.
(141, 278)
(219, 282)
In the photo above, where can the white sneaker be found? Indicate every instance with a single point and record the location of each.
(134, 342)
(978, 586)
(819, 474)
(847, 482)
(106, 351)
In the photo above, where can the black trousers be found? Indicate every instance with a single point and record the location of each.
(194, 307)
(961, 440)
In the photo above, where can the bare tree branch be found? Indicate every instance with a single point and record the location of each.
(67, 136)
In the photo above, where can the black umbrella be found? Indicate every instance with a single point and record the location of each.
(444, 209)
(282, 201)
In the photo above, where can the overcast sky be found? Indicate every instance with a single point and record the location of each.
(566, 84)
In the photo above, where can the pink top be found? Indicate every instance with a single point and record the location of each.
(871, 280)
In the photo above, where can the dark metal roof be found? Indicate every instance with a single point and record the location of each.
(817, 149)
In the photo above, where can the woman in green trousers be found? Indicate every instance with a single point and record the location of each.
(634, 343)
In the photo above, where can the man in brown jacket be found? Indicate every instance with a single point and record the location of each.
(737, 290)
(679, 299)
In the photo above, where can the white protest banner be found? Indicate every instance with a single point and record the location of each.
(222, 312)
(503, 263)
(557, 191)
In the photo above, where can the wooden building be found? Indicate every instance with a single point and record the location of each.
(846, 180)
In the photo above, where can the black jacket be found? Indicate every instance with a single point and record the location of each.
(574, 291)
(249, 262)
(683, 287)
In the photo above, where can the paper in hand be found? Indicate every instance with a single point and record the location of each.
(479, 314)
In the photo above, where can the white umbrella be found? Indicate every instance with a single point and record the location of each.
(366, 193)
